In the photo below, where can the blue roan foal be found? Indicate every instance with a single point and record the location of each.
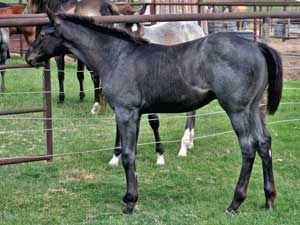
(140, 78)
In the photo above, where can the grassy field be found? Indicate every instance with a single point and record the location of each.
(83, 189)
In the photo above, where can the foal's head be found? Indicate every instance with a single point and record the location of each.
(47, 44)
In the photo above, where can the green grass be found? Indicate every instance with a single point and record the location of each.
(83, 189)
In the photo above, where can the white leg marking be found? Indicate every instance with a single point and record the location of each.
(115, 160)
(96, 108)
(185, 141)
(270, 153)
(160, 159)
(192, 135)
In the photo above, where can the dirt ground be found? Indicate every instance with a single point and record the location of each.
(290, 51)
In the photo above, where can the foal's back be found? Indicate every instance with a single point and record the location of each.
(187, 76)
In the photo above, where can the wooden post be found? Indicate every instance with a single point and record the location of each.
(266, 30)
(284, 27)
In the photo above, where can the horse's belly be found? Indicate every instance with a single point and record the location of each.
(173, 103)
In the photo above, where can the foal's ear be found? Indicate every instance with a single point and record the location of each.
(53, 17)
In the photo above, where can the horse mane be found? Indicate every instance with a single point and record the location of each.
(112, 31)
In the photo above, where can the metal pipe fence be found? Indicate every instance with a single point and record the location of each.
(46, 109)
(42, 19)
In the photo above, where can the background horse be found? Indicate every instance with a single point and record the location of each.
(168, 33)
(28, 32)
(239, 9)
(172, 79)
(83, 8)
(4, 53)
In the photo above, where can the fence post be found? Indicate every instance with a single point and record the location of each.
(266, 30)
(284, 31)
(255, 24)
(265, 39)
(48, 113)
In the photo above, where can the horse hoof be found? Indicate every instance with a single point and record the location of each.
(191, 145)
(59, 102)
(114, 161)
(231, 212)
(96, 108)
(160, 160)
(269, 206)
(129, 209)
(182, 153)
(81, 96)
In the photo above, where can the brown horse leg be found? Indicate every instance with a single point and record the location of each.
(60, 62)
(2, 81)
(154, 123)
(80, 76)
(97, 93)
(117, 150)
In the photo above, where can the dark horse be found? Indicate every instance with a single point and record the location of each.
(83, 8)
(139, 77)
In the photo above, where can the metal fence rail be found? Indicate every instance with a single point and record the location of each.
(42, 19)
(46, 109)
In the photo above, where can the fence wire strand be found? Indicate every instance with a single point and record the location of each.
(146, 143)
(98, 125)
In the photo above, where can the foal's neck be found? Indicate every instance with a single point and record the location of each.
(98, 51)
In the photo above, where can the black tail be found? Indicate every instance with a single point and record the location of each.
(275, 82)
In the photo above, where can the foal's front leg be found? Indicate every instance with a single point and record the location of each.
(128, 124)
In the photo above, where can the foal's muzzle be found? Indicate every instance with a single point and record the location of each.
(31, 58)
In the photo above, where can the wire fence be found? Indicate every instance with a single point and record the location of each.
(152, 143)
(110, 120)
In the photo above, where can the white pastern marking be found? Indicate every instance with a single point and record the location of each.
(96, 108)
(115, 160)
(160, 159)
(134, 28)
(185, 141)
(192, 135)
(270, 152)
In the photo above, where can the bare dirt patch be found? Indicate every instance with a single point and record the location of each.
(290, 51)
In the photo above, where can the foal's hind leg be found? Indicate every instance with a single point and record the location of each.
(265, 152)
(154, 123)
(242, 123)
(80, 76)
(60, 62)
(187, 141)
(2, 81)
